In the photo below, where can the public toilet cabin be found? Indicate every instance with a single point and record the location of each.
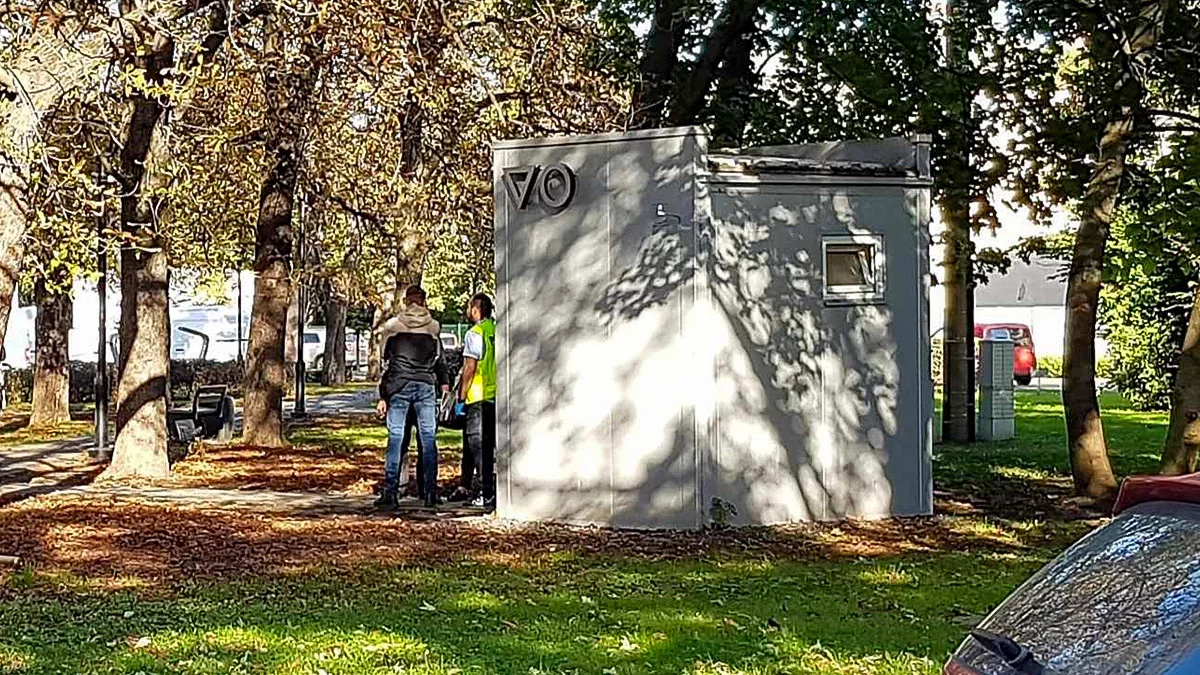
(690, 337)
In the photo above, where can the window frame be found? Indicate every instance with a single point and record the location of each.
(859, 294)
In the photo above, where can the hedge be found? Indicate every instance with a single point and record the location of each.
(186, 375)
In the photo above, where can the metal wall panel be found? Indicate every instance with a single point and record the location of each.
(667, 357)
(822, 411)
(598, 426)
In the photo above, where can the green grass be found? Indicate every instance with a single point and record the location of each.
(339, 434)
(1040, 448)
(314, 389)
(564, 615)
(560, 613)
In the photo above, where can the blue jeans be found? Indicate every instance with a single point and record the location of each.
(423, 398)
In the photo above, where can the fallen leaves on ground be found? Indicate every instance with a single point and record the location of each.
(130, 541)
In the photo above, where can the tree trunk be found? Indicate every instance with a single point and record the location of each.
(145, 331)
(735, 21)
(1185, 406)
(335, 340)
(374, 344)
(733, 99)
(288, 92)
(1090, 465)
(659, 61)
(958, 338)
(266, 369)
(12, 241)
(51, 376)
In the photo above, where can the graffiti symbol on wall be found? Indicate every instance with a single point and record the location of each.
(554, 184)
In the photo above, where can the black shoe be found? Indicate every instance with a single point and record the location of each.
(432, 501)
(460, 495)
(387, 500)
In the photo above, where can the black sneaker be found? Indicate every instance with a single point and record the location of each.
(432, 501)
(387, 500)
(460, 495)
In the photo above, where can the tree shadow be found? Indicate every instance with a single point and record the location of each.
(662, 368)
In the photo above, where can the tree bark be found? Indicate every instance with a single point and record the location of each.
(288, 91)
(335, 340)
(1185, 405)
(13, 207)
(735, 21)
(958, 339)
(1090, 467)
(732, 100)
(143, 364)
(51, 375)
(374, 342)
(659, 61)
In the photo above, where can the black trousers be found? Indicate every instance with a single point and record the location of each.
(479, 455)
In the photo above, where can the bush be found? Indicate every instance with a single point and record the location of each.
(186, 375)
(1051, 366)
(19, 385)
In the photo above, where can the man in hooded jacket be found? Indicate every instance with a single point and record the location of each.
(412, 375)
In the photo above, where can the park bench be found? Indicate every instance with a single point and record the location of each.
(209, 417)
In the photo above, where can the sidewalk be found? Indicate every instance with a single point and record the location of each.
(30, 470)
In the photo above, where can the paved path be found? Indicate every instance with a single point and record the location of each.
(29, 470)
(266, 501)
(360, 402)
(65, 467)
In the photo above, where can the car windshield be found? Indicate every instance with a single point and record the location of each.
(1123, 601)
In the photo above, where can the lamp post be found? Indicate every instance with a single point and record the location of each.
(101, 393)
(299, 410)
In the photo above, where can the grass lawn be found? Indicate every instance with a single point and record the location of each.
(118, 588)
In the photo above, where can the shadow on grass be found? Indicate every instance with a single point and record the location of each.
(567, 613)
(155, 544)
(1030, 475)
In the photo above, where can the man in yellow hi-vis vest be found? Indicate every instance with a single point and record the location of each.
(478, 394)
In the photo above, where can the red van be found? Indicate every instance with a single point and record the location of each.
(1024, 358)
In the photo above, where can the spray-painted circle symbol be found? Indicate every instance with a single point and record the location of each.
(557, 186)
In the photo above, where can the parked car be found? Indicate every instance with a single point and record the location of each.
(1124, 600)
(1024, 357)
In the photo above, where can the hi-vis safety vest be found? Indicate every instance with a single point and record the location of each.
(483, 385)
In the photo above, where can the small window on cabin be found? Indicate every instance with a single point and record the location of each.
(854, 269)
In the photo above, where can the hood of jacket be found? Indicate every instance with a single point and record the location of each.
(415, 317)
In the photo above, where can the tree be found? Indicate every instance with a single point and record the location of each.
(51, 376)
(143, 361)
(288, 86)
(875, 68)
(335, 338)
(49, 51)
(1082, 117)
(1152, 312)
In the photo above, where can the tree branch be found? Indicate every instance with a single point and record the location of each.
(736, 19)
(1174, 113)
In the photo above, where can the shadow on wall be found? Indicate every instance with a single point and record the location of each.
(611, 382)
(807, 393)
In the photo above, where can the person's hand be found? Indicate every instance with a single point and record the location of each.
(445, 390)
(381, 409)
